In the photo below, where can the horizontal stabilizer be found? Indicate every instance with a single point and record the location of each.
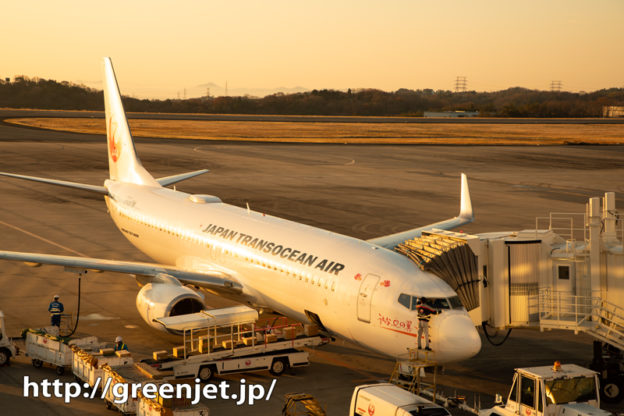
(214, 280)
(170, 180)
(83, 186)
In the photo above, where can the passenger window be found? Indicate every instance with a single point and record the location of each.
(527, 392)
(405, 300)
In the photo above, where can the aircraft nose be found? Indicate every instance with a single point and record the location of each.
(460, 336)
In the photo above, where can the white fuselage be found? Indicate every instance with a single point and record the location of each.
(351, 285)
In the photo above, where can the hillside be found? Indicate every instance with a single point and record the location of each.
(513, 102)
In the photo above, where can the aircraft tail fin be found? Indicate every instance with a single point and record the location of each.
(123, 163)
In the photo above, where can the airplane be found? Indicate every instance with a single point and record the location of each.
(361, 291)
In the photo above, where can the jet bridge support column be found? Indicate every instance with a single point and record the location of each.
(609, 216)
(594, 246)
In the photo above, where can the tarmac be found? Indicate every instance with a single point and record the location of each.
(358, 190)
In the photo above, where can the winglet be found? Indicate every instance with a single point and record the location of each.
(465, 211)
(465, 216)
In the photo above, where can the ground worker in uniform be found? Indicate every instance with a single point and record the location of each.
(56, 309)
(424, 315)
(120, 345)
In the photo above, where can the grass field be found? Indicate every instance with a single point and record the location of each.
(368, 133)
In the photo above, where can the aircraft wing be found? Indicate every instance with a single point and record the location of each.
(215, 280)
(465, 216)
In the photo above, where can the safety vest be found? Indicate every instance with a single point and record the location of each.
(425, 312)
(121, 347)
(56, 308)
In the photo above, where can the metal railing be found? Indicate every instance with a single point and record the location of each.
(564, 308)
(569, 225)
(594, 315)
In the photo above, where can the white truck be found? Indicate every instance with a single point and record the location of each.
(563, 389)
(44, 346)
(386, 399)
(7, 347)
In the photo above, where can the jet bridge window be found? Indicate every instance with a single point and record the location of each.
(563, 272)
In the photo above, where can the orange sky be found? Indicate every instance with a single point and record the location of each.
(160, 48)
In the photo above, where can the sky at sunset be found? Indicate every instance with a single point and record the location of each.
(160, 48)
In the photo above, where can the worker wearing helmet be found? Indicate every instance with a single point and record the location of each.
(56, 309)
(120, 345)
(424, 315)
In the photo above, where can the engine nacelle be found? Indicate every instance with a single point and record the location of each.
(158, 300)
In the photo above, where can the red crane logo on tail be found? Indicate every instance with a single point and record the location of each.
(114, 147)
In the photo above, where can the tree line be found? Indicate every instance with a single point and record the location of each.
(39, 93)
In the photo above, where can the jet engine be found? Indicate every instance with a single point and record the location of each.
(160, 299)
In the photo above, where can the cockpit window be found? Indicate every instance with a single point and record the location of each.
(456, 303)
(405, 300)
(411, 302)
(442, 303)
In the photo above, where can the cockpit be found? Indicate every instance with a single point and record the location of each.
(439, 304)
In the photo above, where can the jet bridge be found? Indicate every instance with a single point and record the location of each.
(449, 256)
(566, 273)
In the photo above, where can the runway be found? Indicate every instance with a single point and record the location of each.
(359, 190)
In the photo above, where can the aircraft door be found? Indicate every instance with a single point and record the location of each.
(365, 297)
(523, 272)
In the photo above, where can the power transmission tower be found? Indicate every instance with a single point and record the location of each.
(461, 84)
(555, 86)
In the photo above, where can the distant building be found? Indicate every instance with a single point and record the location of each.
(451, 114)
(613, 111)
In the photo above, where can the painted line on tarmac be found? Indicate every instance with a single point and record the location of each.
(42, 239)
